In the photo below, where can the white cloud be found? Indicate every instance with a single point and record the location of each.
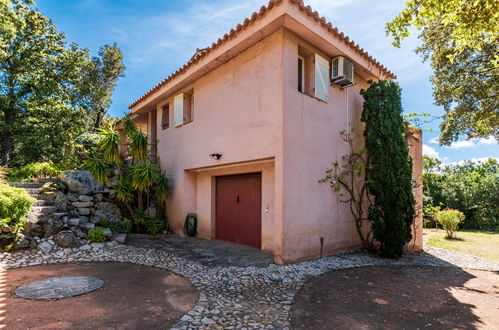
(429, 151)
(471, 143)
(473, 160)
(434, 140)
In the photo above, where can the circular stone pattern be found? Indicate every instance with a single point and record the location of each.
(59, 287)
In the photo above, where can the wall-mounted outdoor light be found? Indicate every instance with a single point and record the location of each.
(216, 156)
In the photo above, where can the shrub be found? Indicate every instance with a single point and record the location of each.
(450, 220)
(96, 235)
(37, 170)
(3, 174)
(15, 204)
(124, 227)
(153, 226)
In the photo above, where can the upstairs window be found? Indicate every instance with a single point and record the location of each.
(301, 74)
(183, 106)
(165, 116)
(188, 106)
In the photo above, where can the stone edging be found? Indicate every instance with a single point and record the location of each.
(236, 297)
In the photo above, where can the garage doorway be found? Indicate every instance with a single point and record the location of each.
(238, 202)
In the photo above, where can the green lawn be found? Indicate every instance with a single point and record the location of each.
(480, 244)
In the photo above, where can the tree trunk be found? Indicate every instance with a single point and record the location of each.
(99, 117)
(6, 139)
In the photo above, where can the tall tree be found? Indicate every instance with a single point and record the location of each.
(39, 76)
(101, 79)
(388, 169)
(461, 38)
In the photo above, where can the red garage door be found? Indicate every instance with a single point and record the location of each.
(239, 209)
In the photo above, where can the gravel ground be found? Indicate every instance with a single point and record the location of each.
(239, 297)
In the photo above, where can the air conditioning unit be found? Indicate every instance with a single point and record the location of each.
(342, 73)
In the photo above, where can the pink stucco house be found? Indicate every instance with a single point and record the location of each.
(249, 125)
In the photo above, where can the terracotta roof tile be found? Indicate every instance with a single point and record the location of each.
(257, 15)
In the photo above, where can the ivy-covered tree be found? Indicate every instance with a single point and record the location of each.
(388, 168)
(39, 75)
(461, 38)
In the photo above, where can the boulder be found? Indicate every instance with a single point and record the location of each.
(83, 204)
(107, 232)
(74, 221)
(33, 229)
(84, 211)
(78, 232)
(66, 239)
(81, 182)
(52, 226)
(45, 246)
(119, 237)
(106, 211)
(85, 198)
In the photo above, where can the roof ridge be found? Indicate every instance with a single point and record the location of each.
(248, 21)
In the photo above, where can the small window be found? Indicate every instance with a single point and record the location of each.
(188, 106)
(301, 74)
(165, 116)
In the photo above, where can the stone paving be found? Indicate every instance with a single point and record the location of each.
(59, 287)
(233, 297)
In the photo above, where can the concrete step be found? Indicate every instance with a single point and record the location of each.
(43, 209)
(25, 184)
(41, 202)
(35, 192)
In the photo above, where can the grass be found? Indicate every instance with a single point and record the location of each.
(477, 243)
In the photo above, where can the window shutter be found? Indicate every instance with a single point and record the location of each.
(178, 109)
(321, 78)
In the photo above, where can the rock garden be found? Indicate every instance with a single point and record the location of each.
(72, 211)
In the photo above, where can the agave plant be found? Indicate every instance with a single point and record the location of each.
(98, 167)
(109, 145)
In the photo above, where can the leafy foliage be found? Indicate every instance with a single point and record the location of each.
(124, 190)
(138, 143)
(110, 145)
(162, 187)
(36, 170)
(98, 167)
(45, 87)
(388, 169)
(153, 226)
(450, 220)
(461, 38)
(15, 204)
(472, 188)
(101, 77)
(96, 235)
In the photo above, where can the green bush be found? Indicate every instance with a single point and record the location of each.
(153, 226)
(36, 170)
(96, 235)
(450, 220)
(3, 174)
(15, 204)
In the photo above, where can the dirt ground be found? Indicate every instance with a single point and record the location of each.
(132, 297)
(399, 298)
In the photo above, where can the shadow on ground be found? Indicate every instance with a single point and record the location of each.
(399, 297)
(133, 297)
(207, 252)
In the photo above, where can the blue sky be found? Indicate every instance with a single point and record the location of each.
(157, 37)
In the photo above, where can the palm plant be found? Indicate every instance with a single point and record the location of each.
(109, 145)
(162, 187)
(129, 125)
(124, 192)
(138, 143)
(142, 177)
(98, 167)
